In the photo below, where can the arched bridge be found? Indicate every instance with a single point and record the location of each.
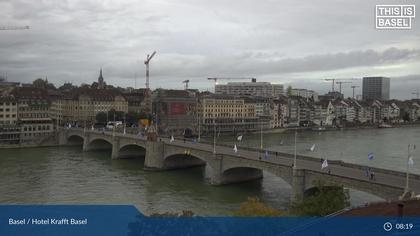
(226, 166)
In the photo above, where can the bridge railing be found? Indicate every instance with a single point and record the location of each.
(315, 159)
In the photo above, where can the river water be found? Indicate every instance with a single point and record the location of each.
(66, 175)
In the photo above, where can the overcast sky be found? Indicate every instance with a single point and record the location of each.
(282, 41)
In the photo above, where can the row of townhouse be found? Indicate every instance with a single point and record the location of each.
(340, 111)
(24, 116)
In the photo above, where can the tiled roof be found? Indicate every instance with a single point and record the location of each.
(29, 93)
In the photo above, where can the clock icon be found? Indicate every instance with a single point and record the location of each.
(387, 226)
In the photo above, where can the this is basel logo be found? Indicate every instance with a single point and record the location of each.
(394, 16)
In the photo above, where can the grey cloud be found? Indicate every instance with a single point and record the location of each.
(70, 40)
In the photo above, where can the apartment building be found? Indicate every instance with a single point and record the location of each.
(81, 105)
(230, 114)
(33, 114)
(175, 111)
(9, 129)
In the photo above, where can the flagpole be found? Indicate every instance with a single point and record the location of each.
(261, 138)
(199, 128)
(407, 174)
(294, 159)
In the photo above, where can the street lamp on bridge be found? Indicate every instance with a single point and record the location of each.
(295, 154)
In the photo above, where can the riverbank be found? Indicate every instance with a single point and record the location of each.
(48, 141)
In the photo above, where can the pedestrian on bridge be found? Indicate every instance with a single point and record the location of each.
(372, 175)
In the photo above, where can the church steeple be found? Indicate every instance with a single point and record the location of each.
(101, 82)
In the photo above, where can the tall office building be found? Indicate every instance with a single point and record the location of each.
(376, 88)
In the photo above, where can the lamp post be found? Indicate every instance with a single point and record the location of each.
(199, 128)
(113, 127)
(407, 188)
(295, 154)
(214, 135)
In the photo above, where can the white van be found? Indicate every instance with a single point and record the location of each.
(112, 124)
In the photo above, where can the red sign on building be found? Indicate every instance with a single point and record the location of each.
(178, 108)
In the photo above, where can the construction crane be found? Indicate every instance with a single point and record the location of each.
(334, 82)
(186, 84)
(230, 78)
(342, 82)
(14, 27)
(417, 94)
(353, 87)
(146, 62)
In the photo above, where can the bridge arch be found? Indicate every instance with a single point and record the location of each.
(98, 144)
(182, 160)
(75, 139)
(240, 174)
(256, 169)
(370, 187)
(132, 150)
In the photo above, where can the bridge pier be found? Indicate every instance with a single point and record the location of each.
(298, 186)
(115, 148)
(86, 143)
(62, 138)
(154, 158)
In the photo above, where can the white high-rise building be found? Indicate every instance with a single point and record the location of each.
(305, 93)
(254, 88)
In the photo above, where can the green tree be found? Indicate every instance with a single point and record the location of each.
(325, 200)
(101, 117)
(406, 116)
(289, 91)
(119, 115)
(254, 207)
(134, 117)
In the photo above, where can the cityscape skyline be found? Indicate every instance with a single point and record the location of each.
(70, 41)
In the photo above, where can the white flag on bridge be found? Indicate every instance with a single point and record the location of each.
(312, 148)
(240, 138)
(235, 149)
(410, 161)
(172, 138)
(324, 164)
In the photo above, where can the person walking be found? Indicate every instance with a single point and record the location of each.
(372, 174)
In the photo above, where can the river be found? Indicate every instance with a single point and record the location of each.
(66, 175)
